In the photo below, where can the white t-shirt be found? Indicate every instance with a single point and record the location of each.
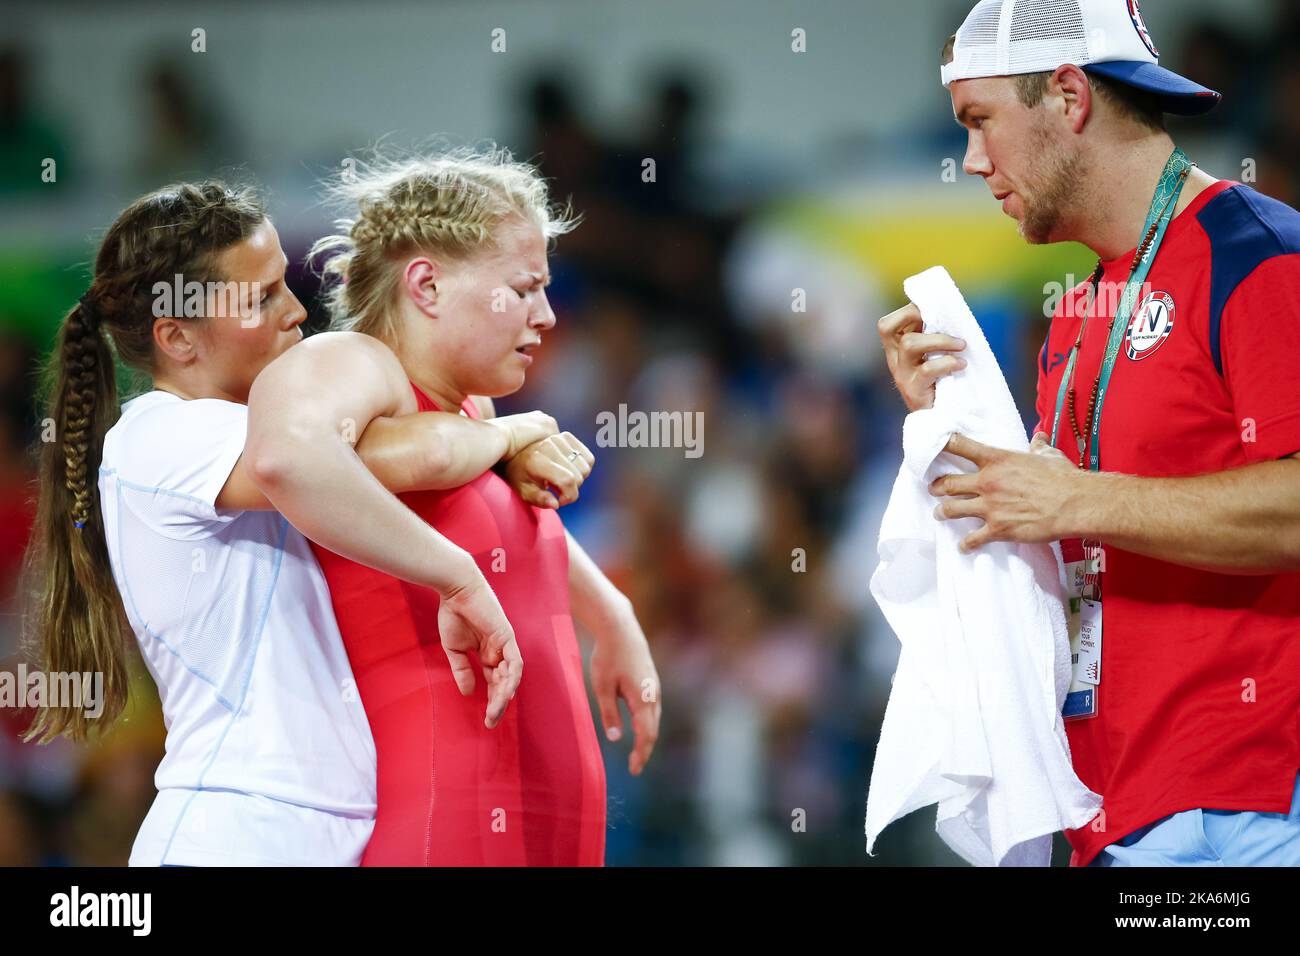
(269, 755)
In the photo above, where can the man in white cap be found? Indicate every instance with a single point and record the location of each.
(1178, 511)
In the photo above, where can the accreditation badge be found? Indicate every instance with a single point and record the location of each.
(1083, 618)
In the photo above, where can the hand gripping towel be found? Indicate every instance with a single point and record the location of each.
(973, 721)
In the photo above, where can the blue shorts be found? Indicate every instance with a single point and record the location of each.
(1212, 838)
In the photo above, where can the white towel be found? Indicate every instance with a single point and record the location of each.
(974, 715)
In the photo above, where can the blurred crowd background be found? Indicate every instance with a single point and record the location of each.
(793, 190)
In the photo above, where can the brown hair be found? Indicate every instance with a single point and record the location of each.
(1127, 101)
(78, 619)
(448, 204)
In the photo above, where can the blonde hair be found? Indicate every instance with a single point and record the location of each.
(448, 204)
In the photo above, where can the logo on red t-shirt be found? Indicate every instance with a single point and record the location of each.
(1151, 324)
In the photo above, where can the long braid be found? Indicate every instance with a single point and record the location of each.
(84, 357)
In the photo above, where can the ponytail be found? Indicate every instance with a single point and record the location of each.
(78, 613)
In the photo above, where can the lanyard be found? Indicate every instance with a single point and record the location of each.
(1158, 218)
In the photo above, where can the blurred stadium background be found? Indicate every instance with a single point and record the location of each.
(835, 171)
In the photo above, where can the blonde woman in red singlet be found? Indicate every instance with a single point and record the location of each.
(444, 259)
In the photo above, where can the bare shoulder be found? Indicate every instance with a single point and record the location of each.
(486, 408)
(351, 360)
(346, 345)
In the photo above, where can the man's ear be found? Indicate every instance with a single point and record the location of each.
(421, 282)
(177, 339)
(1076, 92)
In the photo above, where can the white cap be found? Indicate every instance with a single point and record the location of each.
(1106, 37)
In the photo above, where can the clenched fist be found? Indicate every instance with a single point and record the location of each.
(548, 473)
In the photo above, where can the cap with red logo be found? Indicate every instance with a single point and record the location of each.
(1106, 37)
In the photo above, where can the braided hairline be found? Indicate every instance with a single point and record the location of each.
(122, 294)
(449, 205)
(454, 216)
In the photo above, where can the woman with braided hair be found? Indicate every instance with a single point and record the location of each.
(444, 259)
(156, 518)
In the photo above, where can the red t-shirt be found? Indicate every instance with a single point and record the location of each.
(1199, 701)
(530, 791)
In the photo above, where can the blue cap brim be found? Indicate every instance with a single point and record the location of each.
(1177, 93)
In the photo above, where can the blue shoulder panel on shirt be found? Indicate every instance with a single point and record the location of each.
(1245, 229)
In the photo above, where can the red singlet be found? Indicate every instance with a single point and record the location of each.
(529, 792)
